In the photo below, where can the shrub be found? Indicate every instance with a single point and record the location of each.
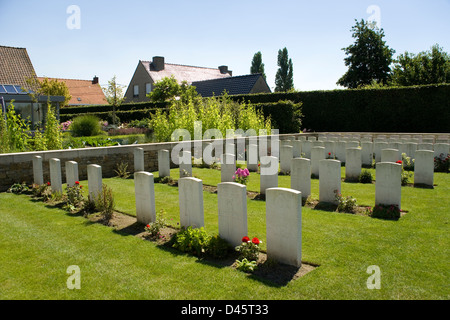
(75, 197)
(218, 248)
(246, 265)
(345, 204)
(19, 188)
(365, 177)
(122, 170)
(442, 163)
(249, 249)
(85, 126)
(388, 212)
(104, 202)
(408, 164)
(192, 240)
(241, 176)
(154, 228)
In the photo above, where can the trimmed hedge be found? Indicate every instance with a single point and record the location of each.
(109, 108)
(124, 116)
(422, 109)
(285, 115)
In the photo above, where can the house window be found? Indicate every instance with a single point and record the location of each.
(136, 91)
(148, 88)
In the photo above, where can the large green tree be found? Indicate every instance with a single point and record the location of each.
(368, 58)
(115, 95)
(284, 79)
(427, 67)
(257, 64)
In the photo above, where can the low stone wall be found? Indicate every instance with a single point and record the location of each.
(18, 167)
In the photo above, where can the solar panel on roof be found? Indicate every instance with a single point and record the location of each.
(10, 89)
(2, 90)
(19, 90)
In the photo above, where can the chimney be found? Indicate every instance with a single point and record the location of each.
(158, 63)
(95, 80)
(224, 70)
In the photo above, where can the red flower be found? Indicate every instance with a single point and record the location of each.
(255, 240)
(329, 153)
(77, 182)
(399, 162)
(245, 239)
(148, 226)
(48, 183)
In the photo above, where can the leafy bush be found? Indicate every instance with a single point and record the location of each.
(442, 163)
(75, 199)
(85, 126)
(192, 240)
(365, 177)
(387, 212)
(19, 188)
(154, 228)
(104, 202)
(246, 265)
(249, 249)
(345, 204)
(408, 164)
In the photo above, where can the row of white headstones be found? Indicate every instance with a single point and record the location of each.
(283, 206)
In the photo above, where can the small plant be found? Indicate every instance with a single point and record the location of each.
(192, 240)
(442, 163)
(408, 164)
(405, 174)
(122, 170)
(104, 202)
(388, 212)
(85, 126)
(246, 265)
(154, 228)
(249, 249)
(75, 199)
(365, 177)
(345, 204)
(241, 176)
(19, 188)
(331, 156)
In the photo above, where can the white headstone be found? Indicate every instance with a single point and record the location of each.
(441, 148)
(377, 147)
(186, 164)
(339, 150)
(55, 175)
(329, 180)
(366, 153)
(388, 184)
(269, 174)
(317, 154)
(424, 168)
(306, 149)
(252, 157)
(95, 185)
(71, 173)
(144, 190)
(190, 192)
(227, 167)
(286, 155)
(390, 155)
(297, 149)
(329, 148)
(232, 201)
(425, 146)
(163, 163)
(301, 176)
(284, 225)
(353, 163)
(410, 149)
(38, 173)
(139, 159)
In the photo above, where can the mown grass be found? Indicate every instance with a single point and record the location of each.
(38, 243)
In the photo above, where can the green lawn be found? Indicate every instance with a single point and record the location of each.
(38, 242)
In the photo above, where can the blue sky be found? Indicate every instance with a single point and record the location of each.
(114, 35)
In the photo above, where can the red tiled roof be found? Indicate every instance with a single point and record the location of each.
(184, 73)
(15, 66)
(83, 92)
